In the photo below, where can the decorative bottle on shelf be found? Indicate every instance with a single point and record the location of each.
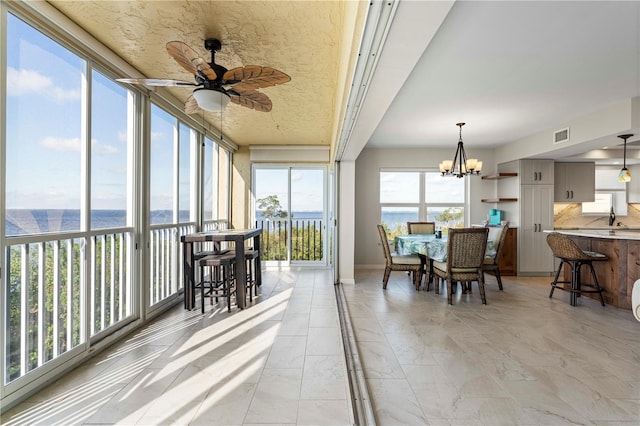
(612, 217)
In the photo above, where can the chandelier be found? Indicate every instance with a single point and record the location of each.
(625, 174)
(460, 166)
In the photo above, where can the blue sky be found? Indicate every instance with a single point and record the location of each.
(44, 127)
(306, 187)
(44, 134)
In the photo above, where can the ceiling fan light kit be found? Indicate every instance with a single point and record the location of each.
(625, 174)
(211, 100)
(215, 85)
(460, 166)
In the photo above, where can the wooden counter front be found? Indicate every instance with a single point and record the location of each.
(508, 260)
(616, 275)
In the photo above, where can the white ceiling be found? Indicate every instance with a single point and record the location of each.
(507, 69)
(512, 69)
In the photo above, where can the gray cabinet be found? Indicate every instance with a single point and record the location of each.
(574, 182)
(633, 187)
(536, 216)
(536, 172)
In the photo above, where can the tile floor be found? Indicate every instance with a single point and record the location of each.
(521, 359)
(280, 361)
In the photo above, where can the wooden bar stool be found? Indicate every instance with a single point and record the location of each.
(252, 259)
(221, 281)
(568, 252)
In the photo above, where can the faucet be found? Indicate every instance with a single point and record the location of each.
(612, 217)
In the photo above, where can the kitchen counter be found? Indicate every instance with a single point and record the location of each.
(614, 234)
(616, 275)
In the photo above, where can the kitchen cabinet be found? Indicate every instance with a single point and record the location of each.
(633, 187)
(536, 172)
(536, 216)
(574, 182)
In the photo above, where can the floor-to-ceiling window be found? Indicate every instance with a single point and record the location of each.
(409, 196)
(215, 184)
(87, 185)
(67, 239)
(290, 205)
(173, 210)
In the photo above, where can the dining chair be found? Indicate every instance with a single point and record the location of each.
(421, 227)
(397, 262)
(565, 249)
(465, 260)
(491, 263)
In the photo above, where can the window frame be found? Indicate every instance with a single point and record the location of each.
(423, 204)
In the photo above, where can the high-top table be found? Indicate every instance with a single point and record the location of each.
(237, 236)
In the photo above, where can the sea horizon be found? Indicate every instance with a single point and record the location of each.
(38, 221)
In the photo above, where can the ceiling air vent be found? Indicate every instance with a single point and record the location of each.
(561, 135)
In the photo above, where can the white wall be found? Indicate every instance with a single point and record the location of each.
(368, 252)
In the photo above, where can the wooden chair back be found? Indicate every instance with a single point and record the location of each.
(421, 227)
(466, 248)
(385, 244)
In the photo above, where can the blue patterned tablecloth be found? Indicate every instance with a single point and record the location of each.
(430, 246)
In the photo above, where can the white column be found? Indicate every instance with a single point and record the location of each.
(346, 221)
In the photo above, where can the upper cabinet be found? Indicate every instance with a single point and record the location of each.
(537, 172)
(574, 182)
(633, 187)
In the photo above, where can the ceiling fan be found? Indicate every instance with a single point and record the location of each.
(216, 85)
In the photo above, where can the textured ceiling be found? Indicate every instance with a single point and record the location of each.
(304, 39)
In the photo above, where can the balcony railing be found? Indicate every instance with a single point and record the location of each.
(307, 239)
(165, 264)
(46, 287)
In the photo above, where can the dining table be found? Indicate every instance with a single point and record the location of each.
(238, 237)
(431, 248)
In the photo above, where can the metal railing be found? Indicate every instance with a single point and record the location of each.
(306, 235)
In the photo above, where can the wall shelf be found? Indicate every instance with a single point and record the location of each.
(499, 200)
(499, 176)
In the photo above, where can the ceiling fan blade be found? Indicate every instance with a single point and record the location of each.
(254, 77)
(157, 82)
(252, 99)
(189, 59)
(205, 69)
(191, 106)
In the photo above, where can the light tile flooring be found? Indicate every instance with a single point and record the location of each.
(521, 359)
(280, 361)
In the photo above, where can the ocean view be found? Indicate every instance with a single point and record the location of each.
(38, 221)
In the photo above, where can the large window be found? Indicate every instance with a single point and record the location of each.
(43, 133)
(173, 158)
(73, 213)
(111, 153)
(407, 196)
(68, 196)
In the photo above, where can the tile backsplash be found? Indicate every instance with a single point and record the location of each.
(569, 215)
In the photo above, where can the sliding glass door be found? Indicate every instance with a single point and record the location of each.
(290, 206)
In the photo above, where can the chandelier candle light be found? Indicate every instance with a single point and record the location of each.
(460, 166)
(625, 174)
